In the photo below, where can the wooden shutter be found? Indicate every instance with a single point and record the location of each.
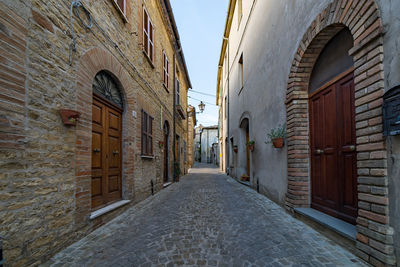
(151, 41)
(144, 133)
(150, 136)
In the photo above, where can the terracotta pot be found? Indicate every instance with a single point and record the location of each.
(69, 116)
(245, 178)
(251, 147)
(277, 142)
(235, 149)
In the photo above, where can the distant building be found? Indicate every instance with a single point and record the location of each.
(207, 144)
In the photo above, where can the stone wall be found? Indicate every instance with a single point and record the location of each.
(45, 165)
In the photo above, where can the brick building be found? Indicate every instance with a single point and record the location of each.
(93, 117)
(322, 68)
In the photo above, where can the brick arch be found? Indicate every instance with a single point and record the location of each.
(92, 62)
(363, 20)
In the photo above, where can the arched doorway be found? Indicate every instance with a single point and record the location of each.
(166, 152)
(332, 130)
(107, 110)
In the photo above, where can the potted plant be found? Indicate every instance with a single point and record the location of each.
(161, 144)
(235, 149)
(250, 145)
(245, 178)
(69, 116)
(277, 136)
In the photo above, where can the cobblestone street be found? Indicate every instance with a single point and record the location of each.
(206, 219)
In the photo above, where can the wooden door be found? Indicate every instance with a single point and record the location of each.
(166, 155)
(247, 151)
(106, 153)
(333, 156)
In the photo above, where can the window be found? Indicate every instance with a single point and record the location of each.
(121, 4)
(178, 92)
(147, 134)
(240, 10)
(148, 35)
(241, 76)
(165, 70)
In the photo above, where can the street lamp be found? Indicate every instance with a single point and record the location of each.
(202, 106)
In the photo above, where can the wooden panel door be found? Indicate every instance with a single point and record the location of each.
(347, 155)
(247, 151)
(324, 150)
(333, 155)
(106, 153)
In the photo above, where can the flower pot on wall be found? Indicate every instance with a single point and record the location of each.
(235, 149)
(278, 142)
(69, 116)
(245, 178)
(251, 147)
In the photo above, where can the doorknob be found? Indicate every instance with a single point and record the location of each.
(96, 150)
(319, 151)
(352, 147)
(115, 152)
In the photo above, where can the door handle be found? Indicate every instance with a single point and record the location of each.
(96, 150)
(352, 148)
(319, 151)
(115, 152)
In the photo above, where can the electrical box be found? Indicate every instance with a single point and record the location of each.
(391, 112)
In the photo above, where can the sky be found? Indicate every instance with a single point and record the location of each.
(201, 30)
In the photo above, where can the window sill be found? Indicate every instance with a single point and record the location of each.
(148, 59)
(146, 157)
(165, 87)
(108, 208)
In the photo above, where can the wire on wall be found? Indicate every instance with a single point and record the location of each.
(74, 10)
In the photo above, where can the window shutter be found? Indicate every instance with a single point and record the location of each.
(151, 41)
(150, 136)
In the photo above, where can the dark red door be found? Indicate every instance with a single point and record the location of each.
(333, 155)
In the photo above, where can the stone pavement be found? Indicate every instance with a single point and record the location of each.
(206, 219)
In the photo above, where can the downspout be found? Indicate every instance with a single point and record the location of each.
(228, 111)
(174, 122)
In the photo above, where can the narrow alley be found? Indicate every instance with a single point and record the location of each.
(206, 219)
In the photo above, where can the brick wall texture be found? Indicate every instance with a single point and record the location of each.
(45, 177)
(375, 236)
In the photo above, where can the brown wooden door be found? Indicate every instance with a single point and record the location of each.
(166, 150)
(106, 153)
(333, 156)
(247, 151)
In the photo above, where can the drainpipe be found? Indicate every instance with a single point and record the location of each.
(174, 122)
(228, 113)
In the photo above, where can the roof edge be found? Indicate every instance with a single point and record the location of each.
(177, 38)
(228, 24)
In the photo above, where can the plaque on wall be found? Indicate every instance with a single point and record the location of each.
(391, 112)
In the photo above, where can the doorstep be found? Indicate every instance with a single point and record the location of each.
(108, 208)
(166, 184)
(244, 182)
(343, 228)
